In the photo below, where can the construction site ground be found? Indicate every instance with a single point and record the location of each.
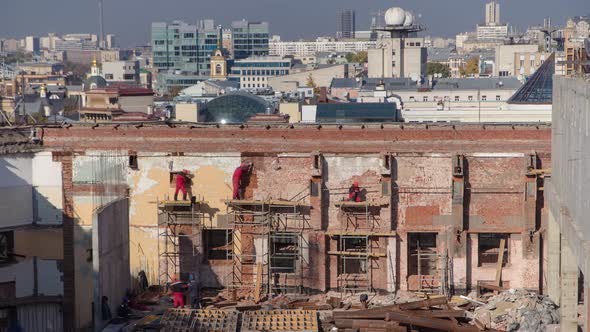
(499, 310)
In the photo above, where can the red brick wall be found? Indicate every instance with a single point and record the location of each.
(422, 175)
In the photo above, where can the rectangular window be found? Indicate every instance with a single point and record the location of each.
(484, 98)
(108, 76)
(422, 254)
(425, 98)
(488, 248)
(456, 98)
(498, 98)
(470, 98)
(285, 252)
(353, 264)
(6, 247)
(218, 244)
(412, 98)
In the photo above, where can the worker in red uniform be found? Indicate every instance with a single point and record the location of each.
(182, 181)
(238, 180)
(354, 192)
(178, 288)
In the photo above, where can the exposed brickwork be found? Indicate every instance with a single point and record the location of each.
(423, 195)
(69, 310)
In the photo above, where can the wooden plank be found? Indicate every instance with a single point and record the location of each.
(352, 253)
(258, 285)
(491, 287)
(370, 234)
(498, 280)
(424, 303)
(406, 317)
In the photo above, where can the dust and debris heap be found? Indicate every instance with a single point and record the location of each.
(518, 310)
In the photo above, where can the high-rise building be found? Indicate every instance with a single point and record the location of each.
(185, 47)
(32, 44)
(111, 41)
(249, 39)
(347, 23)
(493, 13)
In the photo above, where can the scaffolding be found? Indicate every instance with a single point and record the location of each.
(356, 254)
(359, 216)
(432, 270)
(357, 242)
(276, 229)
(180, 225)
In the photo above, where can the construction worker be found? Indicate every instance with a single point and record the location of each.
(194, 292)
(182, 180)
(178, 288)
(238, 180)
(354, 192)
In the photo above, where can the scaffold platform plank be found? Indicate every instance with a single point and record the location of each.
(359, 204)
(369, 234)
(354, 253)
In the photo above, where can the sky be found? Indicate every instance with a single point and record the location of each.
(291, 19)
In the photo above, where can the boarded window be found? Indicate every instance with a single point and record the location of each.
(218, 244)
(285, 251)
(489, 248)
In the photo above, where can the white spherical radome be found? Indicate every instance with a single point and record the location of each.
(409, 19)
(395, 16)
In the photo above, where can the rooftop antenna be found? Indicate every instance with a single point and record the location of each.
(100, 26)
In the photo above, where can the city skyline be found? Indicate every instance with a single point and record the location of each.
(441, 18)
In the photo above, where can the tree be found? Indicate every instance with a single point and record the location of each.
(311, 84)
(360, 57)
(471, 67)
(438, 68)
(16, 57)
(174, 91)
(76, 72)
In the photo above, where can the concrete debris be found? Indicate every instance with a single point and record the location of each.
(518, 310)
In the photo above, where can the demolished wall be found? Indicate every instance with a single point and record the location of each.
(420, 190)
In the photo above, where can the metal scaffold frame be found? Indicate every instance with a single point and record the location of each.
(356, 211)
(267, 220)
(175, 218)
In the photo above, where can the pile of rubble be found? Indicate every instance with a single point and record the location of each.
(518, 310)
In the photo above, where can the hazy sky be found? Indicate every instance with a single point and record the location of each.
(292, 19)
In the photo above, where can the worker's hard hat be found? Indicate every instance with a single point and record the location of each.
(356, 183)
(185, 171)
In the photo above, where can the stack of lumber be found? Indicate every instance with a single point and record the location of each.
(434, 314)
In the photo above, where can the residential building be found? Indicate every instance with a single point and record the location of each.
(121, 71)
(491, 32)
(525, 64)
(227, 42)
(32, 44)
(120, 97)
(254, 72)
(77, 42)
(184, 47)
(310, 48)
(462, 38)
(505, 58)
(41, 68)
(321, 76)
(346, 24)
(249, 39)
